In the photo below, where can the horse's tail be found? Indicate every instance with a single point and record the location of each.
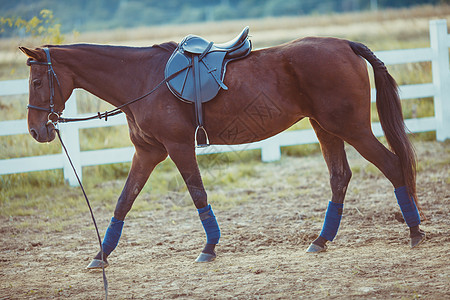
(391, 117)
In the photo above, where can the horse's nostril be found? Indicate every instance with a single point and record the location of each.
(34, 133)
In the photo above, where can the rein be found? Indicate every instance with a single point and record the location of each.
(118, 110)
(105, 115)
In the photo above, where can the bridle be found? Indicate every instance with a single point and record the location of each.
(53, 115)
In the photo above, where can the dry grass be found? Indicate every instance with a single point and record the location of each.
(399, 24)
(372, 27)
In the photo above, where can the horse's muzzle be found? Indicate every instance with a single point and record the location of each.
(45, 134)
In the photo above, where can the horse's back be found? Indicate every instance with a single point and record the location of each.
(275, 87)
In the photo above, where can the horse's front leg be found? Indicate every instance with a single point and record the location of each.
(142, 165)
(185, 159)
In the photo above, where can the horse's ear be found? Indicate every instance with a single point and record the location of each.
(36, 54)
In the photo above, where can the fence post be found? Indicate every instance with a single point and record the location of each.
(270, 150)
(71, 138)
(439, 41)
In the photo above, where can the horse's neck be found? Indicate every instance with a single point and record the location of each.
(114, 74)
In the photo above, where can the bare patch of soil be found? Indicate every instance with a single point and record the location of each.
(262, 250)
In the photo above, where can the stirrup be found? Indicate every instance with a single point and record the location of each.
(195, 137)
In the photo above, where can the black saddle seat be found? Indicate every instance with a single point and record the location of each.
(196, 69)
(236, 42)
(197, 44)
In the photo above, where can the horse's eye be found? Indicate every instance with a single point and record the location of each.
(37, 83)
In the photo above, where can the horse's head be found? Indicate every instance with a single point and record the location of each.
(49, 88)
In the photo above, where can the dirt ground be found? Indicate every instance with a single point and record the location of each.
(261, 254)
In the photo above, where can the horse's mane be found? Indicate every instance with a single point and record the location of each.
(168, 46)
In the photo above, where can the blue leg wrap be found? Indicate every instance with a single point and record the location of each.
(210, 225)
(332, 220)
(407, 206)
(112, 236)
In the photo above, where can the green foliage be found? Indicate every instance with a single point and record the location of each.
(109, 14)
(43, 26)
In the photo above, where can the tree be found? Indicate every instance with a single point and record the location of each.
(43, 26)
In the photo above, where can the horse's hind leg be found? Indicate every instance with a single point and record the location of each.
(389, 164)
(334, 154)
(185, 159)
(143, 163)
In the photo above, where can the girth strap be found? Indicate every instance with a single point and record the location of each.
(198, 102)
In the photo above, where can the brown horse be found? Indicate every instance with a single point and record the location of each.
(324, 79)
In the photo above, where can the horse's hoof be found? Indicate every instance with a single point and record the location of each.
(313, 248)
(205, 257)
(97, 264)
(418, 239)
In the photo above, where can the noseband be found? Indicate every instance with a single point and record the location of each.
(53, 115)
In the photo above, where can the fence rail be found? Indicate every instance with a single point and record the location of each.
(439, 89)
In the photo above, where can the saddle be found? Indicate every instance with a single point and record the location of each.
(196, 70)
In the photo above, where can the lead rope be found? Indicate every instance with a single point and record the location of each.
(118, 110)
(99, 116)
(105, 281)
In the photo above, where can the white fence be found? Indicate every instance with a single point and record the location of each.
(438, 54)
